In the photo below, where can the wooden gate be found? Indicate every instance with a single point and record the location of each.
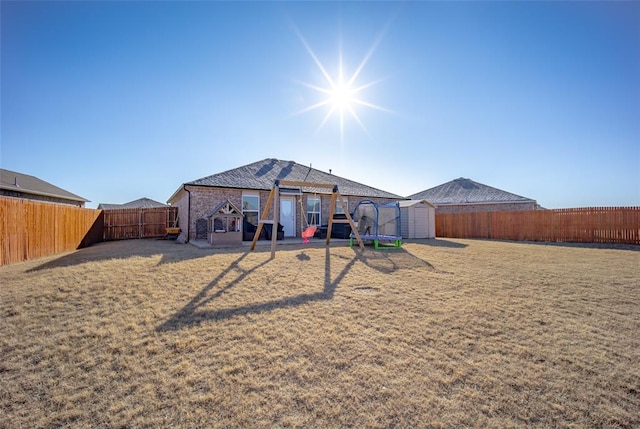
(124, 224)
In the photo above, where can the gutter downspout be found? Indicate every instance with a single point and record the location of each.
(188, 213)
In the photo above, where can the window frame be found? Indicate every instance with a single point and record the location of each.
(338, 208)
(309, 214)
(245, 211)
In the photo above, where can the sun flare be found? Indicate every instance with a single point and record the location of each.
(341, 96)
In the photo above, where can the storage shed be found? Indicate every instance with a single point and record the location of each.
(418, 219)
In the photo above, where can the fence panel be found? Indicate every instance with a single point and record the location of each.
(33, 229)
(581, 225)
(124, 224)
(155, 222)
(121, 224)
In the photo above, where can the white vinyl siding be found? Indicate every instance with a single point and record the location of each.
(418, 219)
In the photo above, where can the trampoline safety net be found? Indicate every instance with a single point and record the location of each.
(377, 220)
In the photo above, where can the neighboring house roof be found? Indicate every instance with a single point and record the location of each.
(262, 174)
(466, 191)
(24, 183)
(142, 203)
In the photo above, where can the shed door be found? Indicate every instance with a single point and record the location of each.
(404, 222)
(420, 222)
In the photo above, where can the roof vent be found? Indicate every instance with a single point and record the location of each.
(15, 182)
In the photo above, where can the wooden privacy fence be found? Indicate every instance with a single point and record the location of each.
(580, 225)
(33, 229)
(123, 224)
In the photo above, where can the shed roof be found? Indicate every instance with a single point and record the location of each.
(227, 208)
(412, 203)
(261, 175)
(19, 182)
(466, 191)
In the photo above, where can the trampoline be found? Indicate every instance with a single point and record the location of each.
(378, 223)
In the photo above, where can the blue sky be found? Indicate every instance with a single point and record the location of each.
(116, 101)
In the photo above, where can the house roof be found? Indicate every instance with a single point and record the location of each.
(466, 191)
(261, 175)
(141, 203)
(18, 182)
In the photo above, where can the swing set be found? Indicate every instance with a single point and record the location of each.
(274, 198)
(310, 230)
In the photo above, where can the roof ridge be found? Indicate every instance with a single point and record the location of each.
(467, 191)
(497, 189)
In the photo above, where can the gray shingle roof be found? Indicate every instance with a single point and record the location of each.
(142, 203)
(262, 174)
(466, 191)
(18, 182)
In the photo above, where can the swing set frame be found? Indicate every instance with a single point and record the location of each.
(274, 198)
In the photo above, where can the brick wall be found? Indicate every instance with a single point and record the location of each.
(325, 203)
(181, 201)
(468, 208)
(203, 200)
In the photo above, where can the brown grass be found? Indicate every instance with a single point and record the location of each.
(456, 333)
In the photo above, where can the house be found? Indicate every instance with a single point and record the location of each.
(19, 185)
(248, 188)
(141, 203)
(418, 219)
(465, 195)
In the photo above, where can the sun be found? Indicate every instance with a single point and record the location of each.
(341, 95)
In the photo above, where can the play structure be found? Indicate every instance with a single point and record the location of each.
(310, 230)
(224, 223)
(377, 223)
(274, 199)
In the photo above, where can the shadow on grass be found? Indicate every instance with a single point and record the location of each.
(614, 246)
(437, 242)
(190, 315)
(391, 260)
(170, 252)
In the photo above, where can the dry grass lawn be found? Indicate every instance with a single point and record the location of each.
(441, 333)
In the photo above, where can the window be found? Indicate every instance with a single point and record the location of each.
(251, 208)
(313, 211)
(339, 206)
